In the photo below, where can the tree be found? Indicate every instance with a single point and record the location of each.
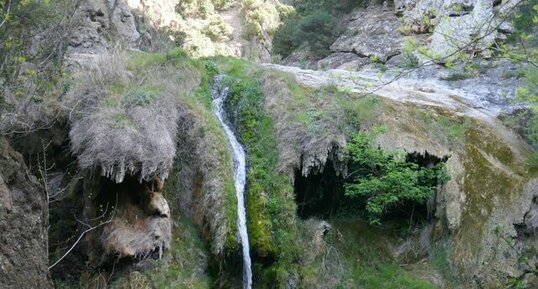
(33, 37)
(386, 179)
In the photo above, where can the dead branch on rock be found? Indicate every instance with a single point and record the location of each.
(89, 229)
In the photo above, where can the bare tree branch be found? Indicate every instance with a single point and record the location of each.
(6, 17)
(90, 228)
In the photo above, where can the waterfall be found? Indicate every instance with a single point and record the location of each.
(219, 94)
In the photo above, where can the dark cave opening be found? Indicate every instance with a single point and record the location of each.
(322, 194)
(425, 159)
(319, 195)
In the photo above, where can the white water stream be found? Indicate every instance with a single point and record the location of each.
(219, 95)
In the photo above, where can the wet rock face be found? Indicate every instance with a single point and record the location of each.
(138, 227)
(23, 225)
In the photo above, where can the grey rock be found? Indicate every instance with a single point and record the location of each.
(458, 7)
(343, 60)
(475, 31)
(371, 32)
(97, 20)
(419, 16)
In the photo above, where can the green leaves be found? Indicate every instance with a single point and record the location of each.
(316, 29)
(386, 179)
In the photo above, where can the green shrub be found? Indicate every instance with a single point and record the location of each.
(218, 30)
(316, 31)
(222, 4)
(313, 25)
(260, 17)
(139, 96)
(386, 179)
(195, 8)
(283, 41)
(409, 59)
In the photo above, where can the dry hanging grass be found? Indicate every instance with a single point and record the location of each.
(129, 132)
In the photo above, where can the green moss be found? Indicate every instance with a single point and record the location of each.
(449, 129)
(363, 257)
(486, 183)
(270, 203)
(389, 276)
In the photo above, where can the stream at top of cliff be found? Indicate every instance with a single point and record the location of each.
(219, 94)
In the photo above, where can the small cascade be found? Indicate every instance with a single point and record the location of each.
(219, 95)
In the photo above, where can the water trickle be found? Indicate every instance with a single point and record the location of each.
(219, 94)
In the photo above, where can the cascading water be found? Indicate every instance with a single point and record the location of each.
(219, 94)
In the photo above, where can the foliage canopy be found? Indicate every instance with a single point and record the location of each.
(386, 179)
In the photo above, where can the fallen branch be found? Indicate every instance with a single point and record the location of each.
(84, 233)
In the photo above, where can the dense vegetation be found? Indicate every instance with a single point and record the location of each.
(526, 36)
(32, 43)
(387, 179)
(313, 27)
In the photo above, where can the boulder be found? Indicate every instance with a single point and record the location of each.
(475, 31)
(371, 33)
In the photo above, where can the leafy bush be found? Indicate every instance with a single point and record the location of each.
(195, 8)
(222, 4)
(312, 25)
(283, 41)
(218, 30)
(318, 31)
(386, 179)
(409, 59)
(139, 96)
(260, 17)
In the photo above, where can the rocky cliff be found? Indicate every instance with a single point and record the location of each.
(141, 177)
(24, 222)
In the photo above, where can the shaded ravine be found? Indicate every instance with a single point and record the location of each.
(219, 94)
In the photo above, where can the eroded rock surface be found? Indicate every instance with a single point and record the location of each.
(371, 33)
(96, 19)
(23, 225)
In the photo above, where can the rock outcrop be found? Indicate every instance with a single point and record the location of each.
(490, 184)
(435, 30)
(96, 21)
(23, 223)
(371, 33)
